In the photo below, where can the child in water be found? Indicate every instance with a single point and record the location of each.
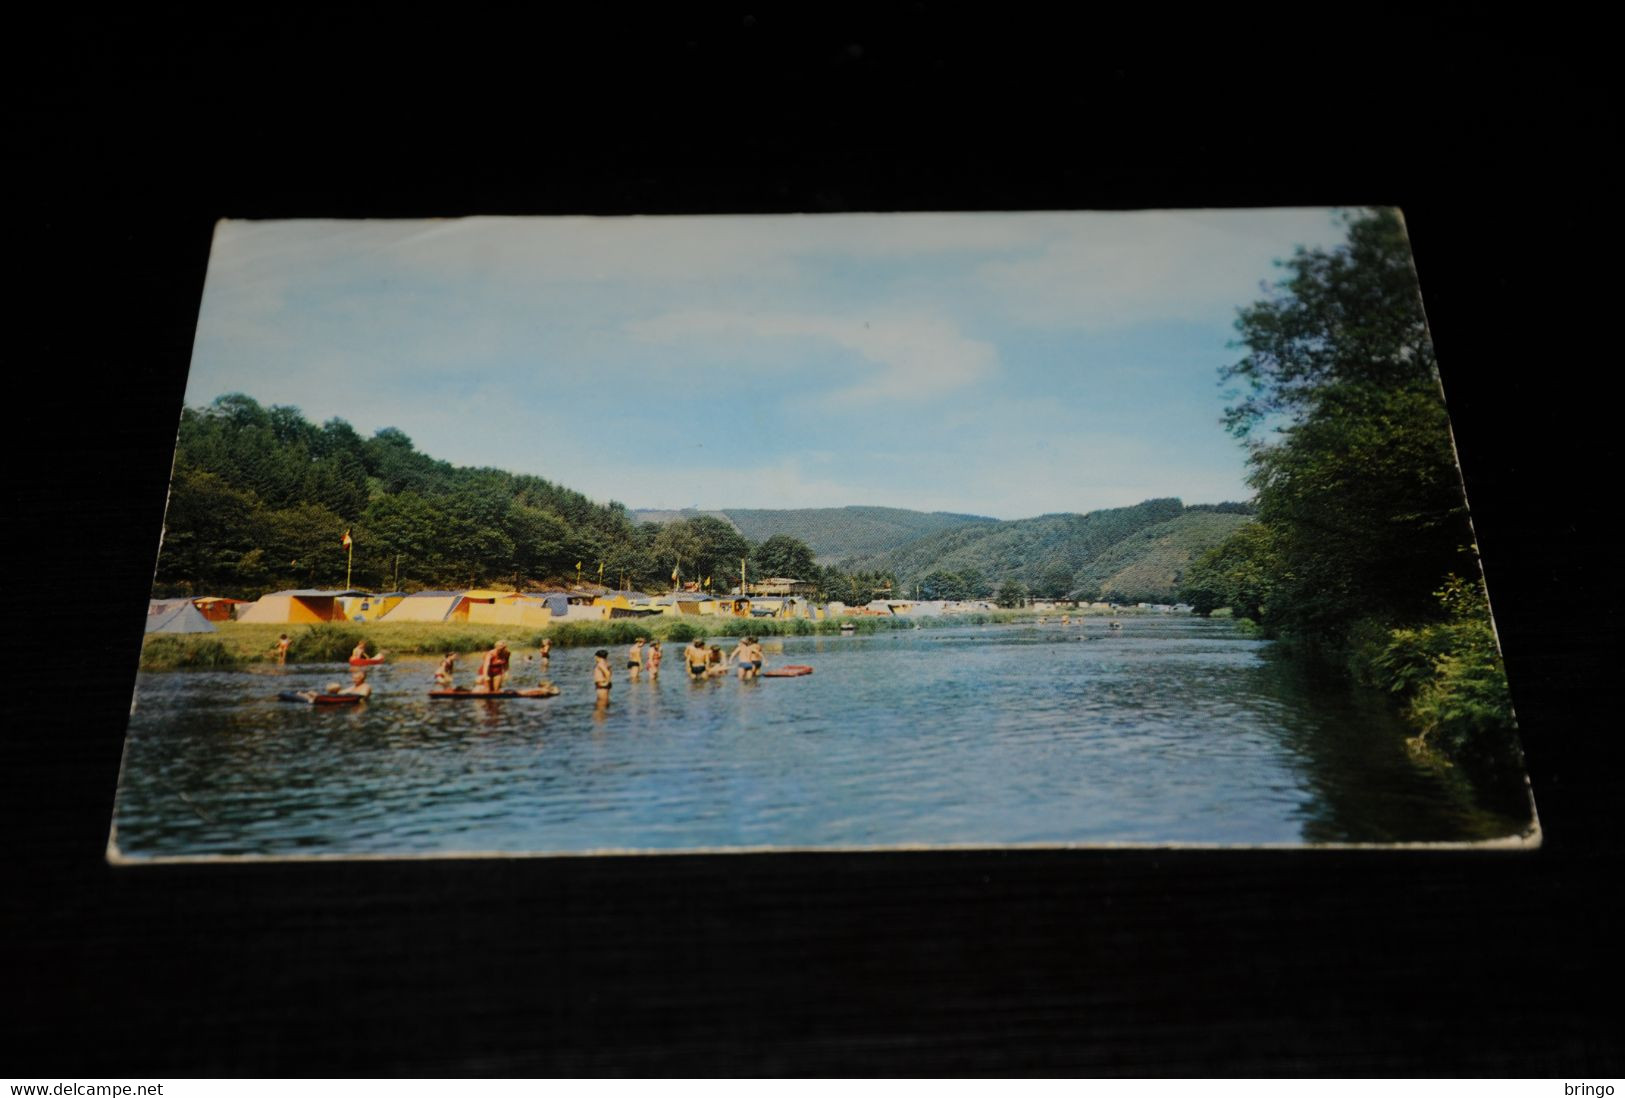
(715, 662)
(442, 677)
(282, 644)
(654, 660)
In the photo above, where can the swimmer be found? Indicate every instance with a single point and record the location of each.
(654, 660)
(602, 677)
(634, 660)
(442, 676)
(360, 652)
(546, 654)
(282, 644)
(358, 684)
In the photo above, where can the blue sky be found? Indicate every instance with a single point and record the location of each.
(997, 364)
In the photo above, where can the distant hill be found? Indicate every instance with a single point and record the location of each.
(833, 533)
(1134, 553)
(663, 517)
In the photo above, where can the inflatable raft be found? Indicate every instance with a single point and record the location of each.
(372, 661)
(788, 671)
(321, 699)
(534, 693)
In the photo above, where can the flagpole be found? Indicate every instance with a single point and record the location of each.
(349, 560)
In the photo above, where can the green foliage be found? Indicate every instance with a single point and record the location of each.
(1362, 531)
(783, 556)
(839, 533)
(1012, 593)
(1357, 484)
(1128, 553)
(1450, 675)
(1236, 574)
(162, 652)
(682, 631)
(324, 643)
(261, 497)
(701, 548)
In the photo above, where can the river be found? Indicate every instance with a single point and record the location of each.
(1172, 730)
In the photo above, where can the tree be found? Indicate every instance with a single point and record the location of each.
(1012, 594)
(1055, 582)
(785, 556)
(1235, 573)
(1351, 454)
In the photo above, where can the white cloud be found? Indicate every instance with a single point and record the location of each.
(1106, 270)
(913, 356)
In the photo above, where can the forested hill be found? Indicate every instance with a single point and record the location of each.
(833, 533)
(1128, 554)
(261, 499)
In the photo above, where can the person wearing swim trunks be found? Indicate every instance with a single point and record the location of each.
(654, 660)
(634, 660)
(602, 676)
(748, 658)
(697, 657)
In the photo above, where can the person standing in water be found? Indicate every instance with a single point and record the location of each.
(494, 667)
(748, 658)
(697, 657)
(634, 660)
(546, 654)
(716, 662)
(654, 660)
(282, 644)
(602, 677)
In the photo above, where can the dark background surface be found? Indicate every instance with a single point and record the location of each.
(139, 132)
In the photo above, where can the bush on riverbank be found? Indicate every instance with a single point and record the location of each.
(1449, 676)
(172, 653)
(325, 643)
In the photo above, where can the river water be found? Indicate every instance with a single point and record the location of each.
(1173, 729)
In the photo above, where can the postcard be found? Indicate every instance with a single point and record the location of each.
(578, 536)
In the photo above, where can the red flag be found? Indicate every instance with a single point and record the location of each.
(346, 542)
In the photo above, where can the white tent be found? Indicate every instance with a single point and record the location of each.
(176, 616)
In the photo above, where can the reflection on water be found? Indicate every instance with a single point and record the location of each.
(1173, 729)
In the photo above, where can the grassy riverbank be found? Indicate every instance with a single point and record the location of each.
(238, 644)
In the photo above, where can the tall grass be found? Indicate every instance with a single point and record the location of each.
(324, 643)
(172, 653)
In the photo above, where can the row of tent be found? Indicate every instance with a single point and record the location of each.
(477, 607)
